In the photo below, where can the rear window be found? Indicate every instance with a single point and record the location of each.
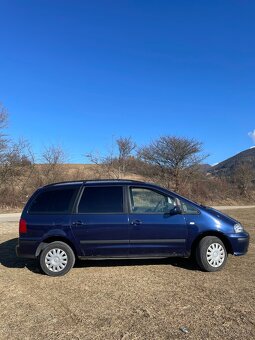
(53, 201)
(101, 200)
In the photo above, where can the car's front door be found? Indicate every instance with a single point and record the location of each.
(154, 230)
(100, 223)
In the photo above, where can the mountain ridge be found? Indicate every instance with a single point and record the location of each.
(229, 165)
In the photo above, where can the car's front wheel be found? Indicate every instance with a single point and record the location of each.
(57, 259)
(211, 254)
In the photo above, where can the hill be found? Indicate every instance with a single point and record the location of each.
(228, 166)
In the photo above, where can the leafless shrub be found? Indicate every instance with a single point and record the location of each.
(103, 165)
(15, 172)
(113, 165)
(244, 177)
(3, 136)
(125, 147)
(52, 169)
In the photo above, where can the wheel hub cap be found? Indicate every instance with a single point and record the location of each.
(215, 255)
(56, 260)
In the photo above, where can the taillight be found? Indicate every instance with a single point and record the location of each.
(22, 226)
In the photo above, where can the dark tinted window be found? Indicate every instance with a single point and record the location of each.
(101, 200)
(53, 201)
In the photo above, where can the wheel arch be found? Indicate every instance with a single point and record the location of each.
(218, 234)
(51, 239)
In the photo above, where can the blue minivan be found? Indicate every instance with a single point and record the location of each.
(106, 219)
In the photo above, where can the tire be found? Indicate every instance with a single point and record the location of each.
(211, 254)
(57, 259)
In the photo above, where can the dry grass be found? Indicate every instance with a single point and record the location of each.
(127, 299)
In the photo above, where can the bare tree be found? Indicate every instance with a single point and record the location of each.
(54, 155)
(16, 165)
(53, 158)
(175, 157)
(244, 175)
(3, 137)
(125, 147)
(15, 173)
(105, 166)
(114, 164)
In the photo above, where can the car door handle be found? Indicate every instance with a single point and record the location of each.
(78, 223)
(136, 222)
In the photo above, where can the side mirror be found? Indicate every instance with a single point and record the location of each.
(175, 211)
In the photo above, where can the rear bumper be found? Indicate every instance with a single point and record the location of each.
(239, 243)
(26, 248)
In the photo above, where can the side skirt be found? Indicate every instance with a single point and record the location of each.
(131, 257)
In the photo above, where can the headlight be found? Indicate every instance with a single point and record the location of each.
(238, 228)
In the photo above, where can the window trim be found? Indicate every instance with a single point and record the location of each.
(151, 189)
(193, 206)
(100, 213)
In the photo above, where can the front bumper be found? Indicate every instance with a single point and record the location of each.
(239, 243)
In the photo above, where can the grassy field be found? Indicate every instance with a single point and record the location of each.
(127, 299)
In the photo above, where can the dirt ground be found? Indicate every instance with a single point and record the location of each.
(127, 299)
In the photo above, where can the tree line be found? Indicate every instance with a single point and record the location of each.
(171, 161)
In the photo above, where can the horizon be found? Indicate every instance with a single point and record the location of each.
(81, 74)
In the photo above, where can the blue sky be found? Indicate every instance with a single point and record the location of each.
(81, 73)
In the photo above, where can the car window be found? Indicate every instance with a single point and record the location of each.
(188, 208)
(101, 200)
(53, 201)
(149, 201)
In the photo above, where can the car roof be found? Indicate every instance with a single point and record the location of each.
(97, 181)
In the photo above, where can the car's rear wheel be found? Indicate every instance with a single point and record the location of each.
(211, 254)
(57, 259)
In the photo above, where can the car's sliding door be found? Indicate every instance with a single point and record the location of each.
(100, 224)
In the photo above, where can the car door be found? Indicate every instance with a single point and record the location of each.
(155, 230)
(100, 222)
